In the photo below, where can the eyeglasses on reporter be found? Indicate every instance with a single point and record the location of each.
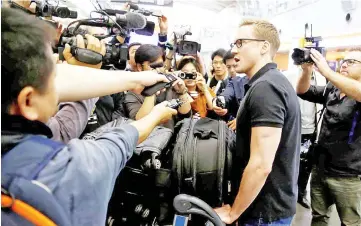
(350, 62)
(239, 42)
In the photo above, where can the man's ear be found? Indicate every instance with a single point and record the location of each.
(266, 47)
(139, 67)
(25, 103)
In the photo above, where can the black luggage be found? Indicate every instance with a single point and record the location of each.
(140, 187)
(202, 160)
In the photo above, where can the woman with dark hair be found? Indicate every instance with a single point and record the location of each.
(197, 88)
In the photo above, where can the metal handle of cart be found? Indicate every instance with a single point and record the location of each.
(186, 205)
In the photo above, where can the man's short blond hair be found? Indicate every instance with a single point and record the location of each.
(262, 29)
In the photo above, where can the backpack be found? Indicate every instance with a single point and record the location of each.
(25, 201)
(202, 160)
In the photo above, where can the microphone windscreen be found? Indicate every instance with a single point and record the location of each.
(133, 6)
(135, 20)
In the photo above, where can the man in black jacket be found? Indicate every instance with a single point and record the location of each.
(336, 178)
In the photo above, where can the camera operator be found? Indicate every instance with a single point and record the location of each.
(197, 88)
(219, 81)
(233, 93)
(310, 122)
(151, 57)
(81, 175)
(335, 179)
(268, 133)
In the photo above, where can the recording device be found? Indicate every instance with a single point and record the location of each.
(127, 20)
(220, 102)
(45, 9)
(303, 55)
(184, 75)
(187, 47)
(116, 54)
(151, 90)
(148, 30)
(175, 104)
(140, 24)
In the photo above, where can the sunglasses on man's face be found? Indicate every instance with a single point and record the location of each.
(350, 62)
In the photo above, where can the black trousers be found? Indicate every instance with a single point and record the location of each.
(305, 165)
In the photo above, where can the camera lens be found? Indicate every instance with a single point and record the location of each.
(188, 47)
(63, 12)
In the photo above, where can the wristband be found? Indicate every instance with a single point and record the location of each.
(169, 46)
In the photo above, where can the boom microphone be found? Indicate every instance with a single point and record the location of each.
(131, 20)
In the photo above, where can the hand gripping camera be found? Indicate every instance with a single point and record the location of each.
(303, 55)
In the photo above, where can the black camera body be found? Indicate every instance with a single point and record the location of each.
(175, 103)
(188, 48)
(183, 75)
(303, 55)
(220, 102)
(116, 54)
(185, 48)
(43, 9)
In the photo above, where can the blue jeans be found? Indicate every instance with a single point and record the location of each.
(260, 222)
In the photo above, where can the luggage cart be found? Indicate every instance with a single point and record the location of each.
(186, 205)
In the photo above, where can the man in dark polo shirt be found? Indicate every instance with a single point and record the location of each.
(268, 133)
(336, 177)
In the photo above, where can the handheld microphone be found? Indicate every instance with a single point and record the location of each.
(131, 20)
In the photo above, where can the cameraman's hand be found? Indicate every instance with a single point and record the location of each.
(307, 68)
(320, 62)
(163, 25)
(93, 44)
(162, 112)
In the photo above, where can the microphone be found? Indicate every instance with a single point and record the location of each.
(131, 20)
(133, 6)
(113, 12)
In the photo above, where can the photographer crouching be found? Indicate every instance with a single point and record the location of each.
(336, 176)
(73, 182)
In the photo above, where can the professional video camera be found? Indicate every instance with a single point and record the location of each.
(46, 8)
(118, 23)
(184, 47)
(303, 55)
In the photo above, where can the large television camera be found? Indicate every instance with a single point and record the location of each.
(45, 8)
(118, 23)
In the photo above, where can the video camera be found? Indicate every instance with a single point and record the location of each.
(46, 9)
(118, 23)
(303, 55)
(184, 47)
